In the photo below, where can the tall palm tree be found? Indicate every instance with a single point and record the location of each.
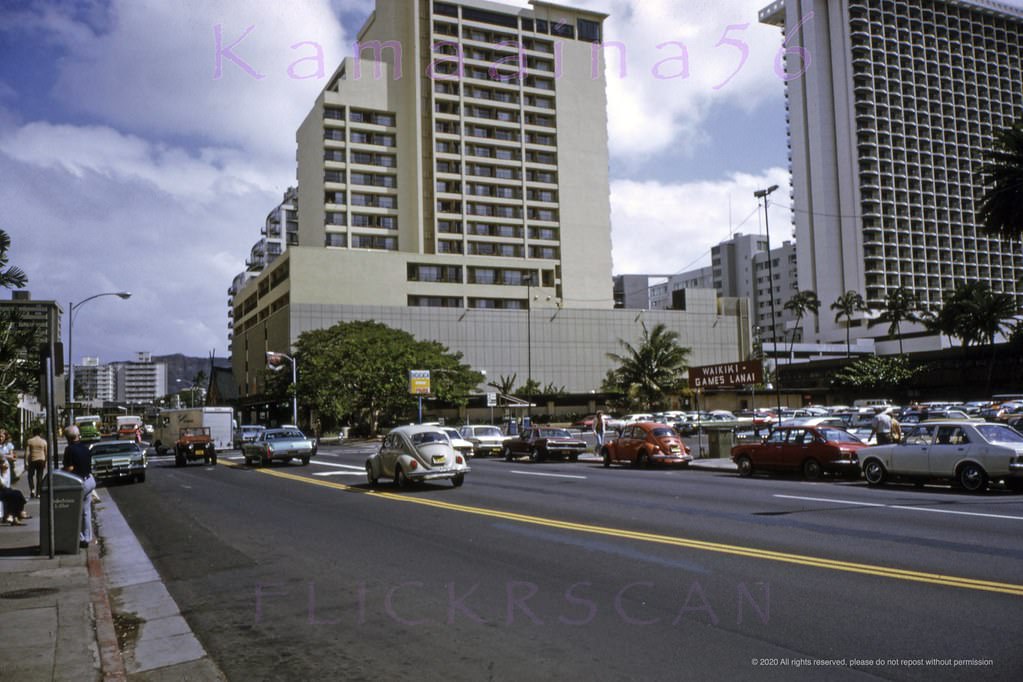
(1001, 208)
(900, 305)
(800, 304)
(847, 305)
(653, 370)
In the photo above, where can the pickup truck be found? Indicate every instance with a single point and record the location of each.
(284, 445)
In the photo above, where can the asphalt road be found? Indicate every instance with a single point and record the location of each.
(562, 571)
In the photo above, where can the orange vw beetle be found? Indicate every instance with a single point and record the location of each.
(645, 444)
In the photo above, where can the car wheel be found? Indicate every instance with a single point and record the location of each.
(874, 472)
(248, 461)
(811, 470)
(305, 461)
(457, 480)
(745, 466)
(573, 458)
(534, 455)
(605, 454)
(507, 454)
(141, 478)
(373, 480)
(400, 479)
(643, 460)
(179, 459)
(265, 461)
(213, 458)
(972, 477)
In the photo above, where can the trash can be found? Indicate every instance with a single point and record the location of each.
(67, 513)
(719, 442)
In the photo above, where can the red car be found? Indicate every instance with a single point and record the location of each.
(810, 450)
(645, 444)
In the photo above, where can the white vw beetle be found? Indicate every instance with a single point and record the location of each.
(416, 453)
(971, 453)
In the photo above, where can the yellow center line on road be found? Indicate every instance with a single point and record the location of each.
(688, 543)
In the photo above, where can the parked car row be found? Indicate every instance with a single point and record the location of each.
(968, 453)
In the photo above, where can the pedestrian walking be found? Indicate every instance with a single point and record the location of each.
(881, 427)
(599, 428)
(36, 453)
(78, 461)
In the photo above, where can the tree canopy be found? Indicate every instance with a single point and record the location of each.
(649, 373)
(1001, 207)
(358, 372)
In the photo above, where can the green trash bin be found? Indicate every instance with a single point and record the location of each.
(67, 513)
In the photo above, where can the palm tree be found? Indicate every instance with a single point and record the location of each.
(847, 305)
(800, 304)
(653, 370)
(12, 277)
(1001, 208)
(900, 305)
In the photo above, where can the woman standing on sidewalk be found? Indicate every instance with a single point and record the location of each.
(7, 452)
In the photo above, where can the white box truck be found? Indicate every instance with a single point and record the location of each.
(219, 420)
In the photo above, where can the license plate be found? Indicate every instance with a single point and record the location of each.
(200, 451)
(439, 459)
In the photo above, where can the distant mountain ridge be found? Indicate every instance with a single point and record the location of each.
(186, 368)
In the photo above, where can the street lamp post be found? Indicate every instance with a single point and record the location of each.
(270, 356)
(765, 195)
(72, 309)
(528, 277)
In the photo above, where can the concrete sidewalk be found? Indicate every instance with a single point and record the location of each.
(58, 615)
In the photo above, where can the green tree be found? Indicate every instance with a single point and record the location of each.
(877, 373)
(358, 372)
(11, 277)
(900, 305)
(1001, 208)
(847, 305)
(650, 372)
(19, 361)
(802, 303)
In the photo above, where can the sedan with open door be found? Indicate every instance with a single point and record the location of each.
(971, 454)
(810, 450)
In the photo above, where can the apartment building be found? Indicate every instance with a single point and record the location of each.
(453, 182)
(96, 383)
(888, 130)
(138, 381)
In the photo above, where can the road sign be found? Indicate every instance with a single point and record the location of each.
(727, 375)
(491, 399)
(419, 381)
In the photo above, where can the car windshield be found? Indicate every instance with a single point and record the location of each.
(838, 436)
(278, 435)
(424, 437)
(662, 431)
(554, 433)
(997, 433)
(490, 431)
(118, 449)
(453, 434)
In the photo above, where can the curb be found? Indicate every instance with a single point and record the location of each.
(111, 661)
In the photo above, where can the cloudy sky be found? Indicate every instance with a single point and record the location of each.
(128, 164)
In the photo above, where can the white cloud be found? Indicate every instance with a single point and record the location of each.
(667, 228)
(650, 111)
(154, 69)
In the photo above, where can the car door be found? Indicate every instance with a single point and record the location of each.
(769, 455)
(624, 450)
(389, 452)
(951, 444)
(911, 456)
(792, 452)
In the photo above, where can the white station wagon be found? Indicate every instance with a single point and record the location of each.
(970, 453)
(416, 453)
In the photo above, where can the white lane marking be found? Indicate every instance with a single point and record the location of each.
(339, 473)
(537, 473)
(339, 466)
(903, 507)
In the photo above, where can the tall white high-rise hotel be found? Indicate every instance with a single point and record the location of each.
(889, 126)
(453, 183)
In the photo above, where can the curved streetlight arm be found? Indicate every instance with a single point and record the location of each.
(72, 309)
